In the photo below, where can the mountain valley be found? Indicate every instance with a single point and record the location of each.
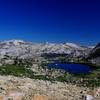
(27, 62)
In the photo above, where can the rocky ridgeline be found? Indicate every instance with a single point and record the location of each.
(14, 88)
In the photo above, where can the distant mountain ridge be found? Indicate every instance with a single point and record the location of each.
(25, 49)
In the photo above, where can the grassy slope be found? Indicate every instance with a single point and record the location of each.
(92, 79)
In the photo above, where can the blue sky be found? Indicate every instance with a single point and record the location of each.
(57, 21)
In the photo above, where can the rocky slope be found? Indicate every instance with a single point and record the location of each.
(28, 89)
(94, 55)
